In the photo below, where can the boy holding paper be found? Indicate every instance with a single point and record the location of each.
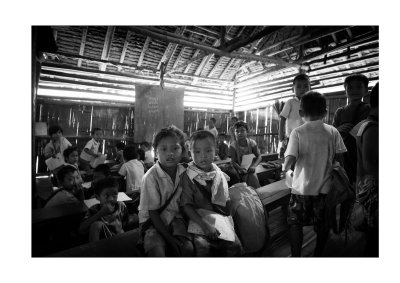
(205, 196)
(245, 154)
(91, 150)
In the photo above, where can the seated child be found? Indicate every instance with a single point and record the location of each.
(222, 147)
(119, 156)
(57, 144)
(71, 157)
(244, 146)
(100, 172)
(133, 171)
(149, 159)
(91, 150)
(313, 147)
(107, 218)
(162, 226)
(141, 157)
(289, 116)
(204, 186)
(70, 187)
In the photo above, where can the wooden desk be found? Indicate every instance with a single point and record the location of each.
(274, 195)
(44, 187)
(265, 157)
(57, 213)
(122, 245)
(264, 174)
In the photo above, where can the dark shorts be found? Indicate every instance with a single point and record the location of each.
(307, 210)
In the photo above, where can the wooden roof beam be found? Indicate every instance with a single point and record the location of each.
(167, 53)
(125, 48)
(107, 46)
(83, 42)
(213, 50)
(144, 49)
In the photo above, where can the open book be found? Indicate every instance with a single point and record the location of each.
(53, 163)
(247, 160)
(98, 160)
(224, 224)
(121, 197)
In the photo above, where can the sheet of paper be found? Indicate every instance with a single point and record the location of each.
(98, 160)
(224, 224)
(53, 163)
(121, 197)
(247, 160)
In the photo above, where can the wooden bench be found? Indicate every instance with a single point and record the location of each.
(122, 245)
(274, 195)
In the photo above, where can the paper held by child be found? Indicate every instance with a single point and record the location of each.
(87, 185)
(53, 163)
(224, 224)
(121, 197)
(247, 160)
(98, 160)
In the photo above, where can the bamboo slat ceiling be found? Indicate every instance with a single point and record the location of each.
(205, 59)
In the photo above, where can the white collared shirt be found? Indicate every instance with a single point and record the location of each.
(157, 187)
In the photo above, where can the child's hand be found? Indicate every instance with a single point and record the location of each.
(251, 170)
(211, 232)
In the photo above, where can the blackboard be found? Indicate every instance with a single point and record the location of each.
(156, 108)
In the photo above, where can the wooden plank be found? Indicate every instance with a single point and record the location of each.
(211, 49)
(125, 48)
(107, 46)
(83, 42)
(56, 213)
(121, 245)
(273, 191)
(144, 49)
(85, 84)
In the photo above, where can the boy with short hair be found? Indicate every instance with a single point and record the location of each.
(107, 218)
(148, 157)
(162, 226)
(70, 188)
(57, 143)
(119, 158)
(132, 169)
(71, 156)
(289, 117)
(345, 118)
(313, 146)
(211, 127)
(232, 136)
(91, 150)
(204, 186)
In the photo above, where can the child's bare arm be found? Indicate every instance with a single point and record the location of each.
(85, 225)
(210, 231)
(339, 158)
(282, 123)
(289, 161)
(90, 152)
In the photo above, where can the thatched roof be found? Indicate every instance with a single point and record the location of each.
(255, 61)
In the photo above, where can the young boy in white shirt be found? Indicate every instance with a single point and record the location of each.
(91, 149)
(289, 117)
(313, 146)
(148, 157)
(132, 169)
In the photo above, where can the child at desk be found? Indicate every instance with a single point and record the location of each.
(119, 158)
(161, 223)
(222, 148)
(100, 172)
(148, 157)
(204, 186)
(70, 187)
(244, 146)
(133, 171)
(313, 147)
(57, 145)
(91, 150)
(109, 217)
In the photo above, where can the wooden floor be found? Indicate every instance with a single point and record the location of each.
(335, 247)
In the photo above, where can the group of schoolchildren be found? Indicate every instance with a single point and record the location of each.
(314, 148)
(172, 193)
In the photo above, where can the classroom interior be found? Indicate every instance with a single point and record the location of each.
(131, 81)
